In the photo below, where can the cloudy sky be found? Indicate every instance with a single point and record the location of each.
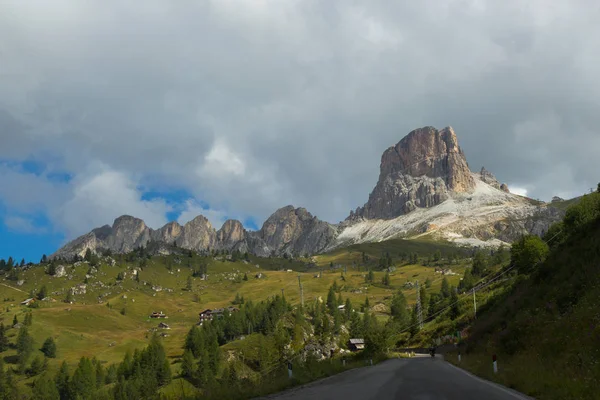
(234, 108)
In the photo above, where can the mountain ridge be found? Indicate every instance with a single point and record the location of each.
(425, 187)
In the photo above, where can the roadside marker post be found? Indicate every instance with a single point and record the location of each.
(459, 356)
(371, 362)
(344, 362)
(495, 363)
(290, 370)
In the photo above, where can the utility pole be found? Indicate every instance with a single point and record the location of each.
(301, 291)
(419, 311)
(474, 304)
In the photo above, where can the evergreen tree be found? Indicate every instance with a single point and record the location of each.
(111, 374)
(399, 310)
(69, 299)
(44, 259)
(188, 367)
(188, 285)
(100, 374)
(10, 263)
(468, 281)
(437, 256)
(455, 306)
(348, 309)
(245, 275)
(386, 279)
(52, 269)
(83, 382)
(331, 300)
(45, 389)
(3, 339)
(424, 300)
(15, 320)
(88, 255)
(49, 348)
(62, 381)
(28, 319)
(36, 367)
(367, 305)
(479, 263)
(24, 343)
(42, 294)
(445, 291)
(22, 263)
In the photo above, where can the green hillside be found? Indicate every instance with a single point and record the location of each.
(543, 324)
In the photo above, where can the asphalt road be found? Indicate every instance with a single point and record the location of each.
(420, 378)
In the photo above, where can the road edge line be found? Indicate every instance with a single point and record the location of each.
(512, 392)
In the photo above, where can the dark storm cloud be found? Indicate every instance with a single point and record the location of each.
(251, 105)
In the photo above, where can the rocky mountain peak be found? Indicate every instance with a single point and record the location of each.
(419, 171)
(295, 230)
(231, 233)
(489, 178)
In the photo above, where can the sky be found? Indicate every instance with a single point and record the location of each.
(235, 108)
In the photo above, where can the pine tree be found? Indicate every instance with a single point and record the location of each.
(445, 291)
(88, 255)
(100, 374)
(84, 379)
(399, 310)
(42, 294)
(69, 299)
(24, 342)
(4, 343)
(49, 348)
(479, 263)
(455, 308)
(36, 367)
(188, 367)
(348, 309)
(45, 389)
(331, 300)
(44, 259)
(386, 279)
(28, 319)
(246, 275)
(22, 263)
(62, 381)
(15, 320)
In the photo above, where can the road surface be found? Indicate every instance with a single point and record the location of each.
(419, 378)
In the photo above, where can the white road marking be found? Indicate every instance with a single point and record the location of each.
(492, 384)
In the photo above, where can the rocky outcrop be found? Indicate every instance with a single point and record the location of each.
(198, 234)
(295, 231)
(489, 178)
(418, 172)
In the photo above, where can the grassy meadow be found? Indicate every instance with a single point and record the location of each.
(112, 317)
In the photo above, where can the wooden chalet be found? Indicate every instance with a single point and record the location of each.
(158, 315)
(356, 344)
(28, 302)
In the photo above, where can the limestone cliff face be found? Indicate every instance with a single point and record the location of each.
(489, 178)
(198, 234)
(127, 234)
(168, 233)
(296, 231)
(418, 172)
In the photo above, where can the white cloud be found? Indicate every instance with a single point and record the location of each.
(22, 225)
(192, 209)
(518, 190)
(100, 198)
